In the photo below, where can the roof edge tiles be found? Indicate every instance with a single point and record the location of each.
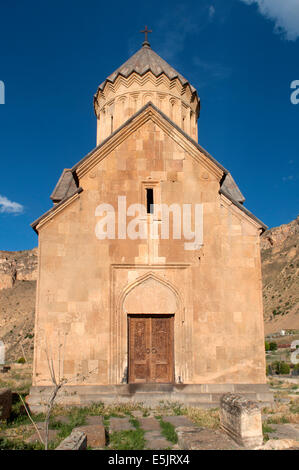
(143, 61)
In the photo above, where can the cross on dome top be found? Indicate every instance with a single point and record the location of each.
(146, 31)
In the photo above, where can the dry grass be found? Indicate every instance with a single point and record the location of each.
(283, 412)
(18, 378)
(209, 418)
(21, 432)
(119, 409)
(203, 417)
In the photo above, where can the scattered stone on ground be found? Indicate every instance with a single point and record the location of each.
(120, 424)
(90, 420)
(155, 441)
(95, 434)
(149, 424)
(195, 438)
(241, 419)
(285, 431)
(279, 444)
(191, 436)
(75, 441)
(177, 421)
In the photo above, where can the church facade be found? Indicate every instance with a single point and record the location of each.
(149, 281)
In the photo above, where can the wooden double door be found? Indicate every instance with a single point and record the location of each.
(151, 348)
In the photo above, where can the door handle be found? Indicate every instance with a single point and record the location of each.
(148, 350)
(154, 350)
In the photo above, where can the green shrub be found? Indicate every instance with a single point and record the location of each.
(273, 346)
(284, 368)
(267, 346)
(280, 367)
(21, 360)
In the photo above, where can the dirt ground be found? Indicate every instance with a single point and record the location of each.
(280, 421)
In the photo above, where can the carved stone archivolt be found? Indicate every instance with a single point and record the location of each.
(150, 293)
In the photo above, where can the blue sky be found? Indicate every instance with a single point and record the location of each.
(241, 55)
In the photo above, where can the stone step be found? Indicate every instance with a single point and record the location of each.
(201, 395)
(156, 387)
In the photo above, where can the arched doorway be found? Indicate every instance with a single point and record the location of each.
(150, 308)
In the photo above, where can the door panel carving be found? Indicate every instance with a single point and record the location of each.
(151, 348)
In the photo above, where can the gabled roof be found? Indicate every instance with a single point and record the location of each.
(143, 61)
(164, 116)
(67, 185)
(230, 187)
(54, 208)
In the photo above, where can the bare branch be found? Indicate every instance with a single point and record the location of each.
(36, 428)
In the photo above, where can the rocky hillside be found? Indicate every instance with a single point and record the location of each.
(17, 265)
(280, 268)
(18, 273)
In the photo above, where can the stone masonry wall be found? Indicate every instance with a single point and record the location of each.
(84, 282)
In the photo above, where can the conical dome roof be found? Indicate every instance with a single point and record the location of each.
(143, 61)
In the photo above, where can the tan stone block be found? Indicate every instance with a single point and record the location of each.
(237, 317)
(78, 328)
(241, 419)
(68, 367)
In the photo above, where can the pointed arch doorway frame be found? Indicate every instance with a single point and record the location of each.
(139, 298)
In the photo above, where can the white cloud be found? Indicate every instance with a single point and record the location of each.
(10, 207)
(212, 11)
(284, 13)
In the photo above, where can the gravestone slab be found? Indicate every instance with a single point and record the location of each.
(155, 441)
(95, 434)
(96, 420)
(204, 439)
(120, 424)
(149, 424)
(75, 441)
(52, 434)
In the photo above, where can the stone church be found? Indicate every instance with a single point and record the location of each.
(123, 313)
